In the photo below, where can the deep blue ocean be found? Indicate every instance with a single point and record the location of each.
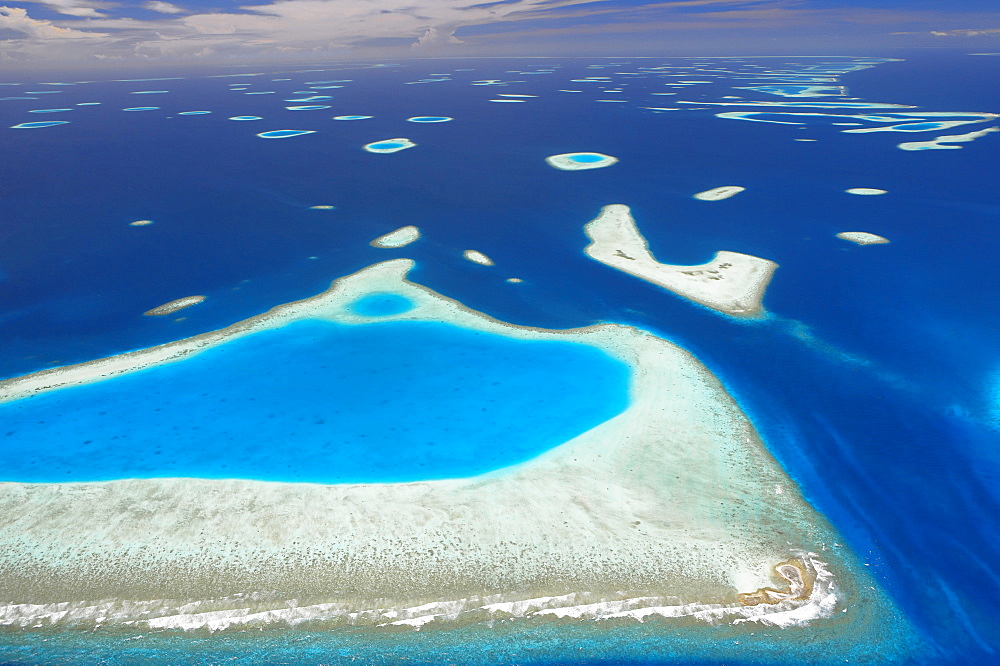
(874, 378)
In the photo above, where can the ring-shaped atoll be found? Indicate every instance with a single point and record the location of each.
(580, 161)
(389, 145)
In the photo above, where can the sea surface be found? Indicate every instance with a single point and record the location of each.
(874, 377)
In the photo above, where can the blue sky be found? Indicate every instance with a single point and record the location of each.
(80, 31)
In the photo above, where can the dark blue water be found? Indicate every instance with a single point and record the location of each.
(321, 402)
(874, 381)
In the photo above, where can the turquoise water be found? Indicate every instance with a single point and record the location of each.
(587, 158)
(385, 145)
(284, 134)
(48, 123)
(321, 402)
(381, 304)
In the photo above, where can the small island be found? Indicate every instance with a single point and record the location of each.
(731, 283)
(719, 193)
(174, 306)
(580, 161)
(399, 238)
(477, 257)
(389, 146)
(862, 238)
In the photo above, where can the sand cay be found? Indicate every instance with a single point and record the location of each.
(731, 283)
(174, 306)
(399, 238)
(671, 509)
(862, 238)
(477, 257)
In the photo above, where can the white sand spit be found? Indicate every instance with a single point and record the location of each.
(731, 283)
(477, 257)
(866, 191)
(399, 238)
(862, 238)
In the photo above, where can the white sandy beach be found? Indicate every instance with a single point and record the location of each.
(731, 283)
(674, 505)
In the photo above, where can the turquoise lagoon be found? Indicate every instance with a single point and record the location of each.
(317, 401)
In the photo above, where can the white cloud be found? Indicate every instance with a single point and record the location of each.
(17, 20)
(78, 8)
(163, 7)
(335, 27)
(966, 32)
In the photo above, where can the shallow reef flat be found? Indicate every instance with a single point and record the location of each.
(672, 510)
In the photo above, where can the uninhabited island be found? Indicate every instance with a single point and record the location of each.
(866, 191)
(389, 146)
(719, 193)
(174, 306)
(580, 161)
(477, 257)
(731, 283)
(862, 238)
(399, 238)
(140, 223)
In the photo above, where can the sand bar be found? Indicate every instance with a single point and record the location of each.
(399, 238)
(477, 257)
(672, 508)
(862, 238)
(174, 306)
(719, 193)
(731, 283)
